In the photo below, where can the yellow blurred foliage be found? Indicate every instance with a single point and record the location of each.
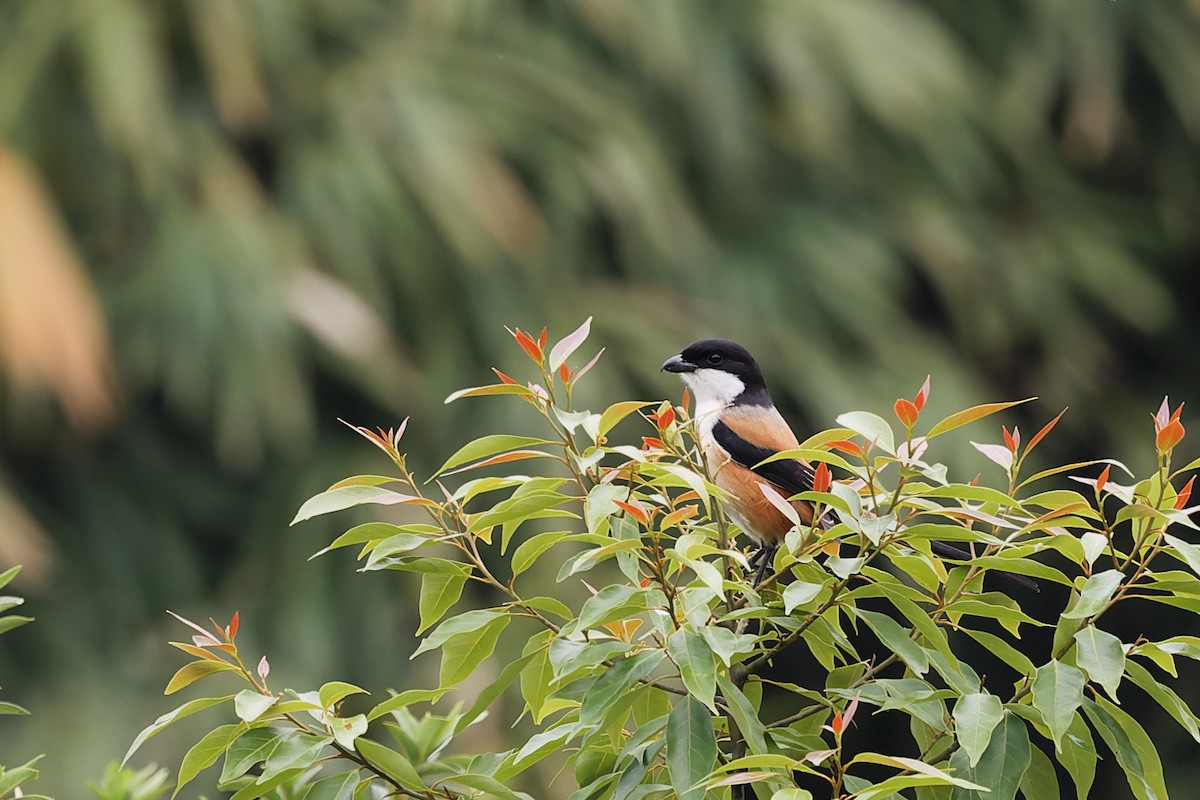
(52, 333)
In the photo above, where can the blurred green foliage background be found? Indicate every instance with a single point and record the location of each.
(226, 223)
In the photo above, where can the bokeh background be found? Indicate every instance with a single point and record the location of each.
(226, 223)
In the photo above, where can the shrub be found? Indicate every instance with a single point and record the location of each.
(659, 682)
(11, 780)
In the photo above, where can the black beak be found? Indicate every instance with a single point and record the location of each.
(678, 364)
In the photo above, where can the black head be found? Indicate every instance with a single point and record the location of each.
(724, 356)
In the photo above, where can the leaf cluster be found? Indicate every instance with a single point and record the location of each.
(659, 682)
(11, 779)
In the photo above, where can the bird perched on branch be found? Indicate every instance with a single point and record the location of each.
(739, 428)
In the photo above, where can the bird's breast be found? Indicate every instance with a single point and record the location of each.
(745, 502)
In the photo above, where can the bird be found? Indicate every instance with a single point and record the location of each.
(739, 427)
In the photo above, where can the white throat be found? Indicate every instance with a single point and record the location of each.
(714, 389)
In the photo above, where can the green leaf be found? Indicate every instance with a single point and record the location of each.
(392, 764)
(1040, 781)
(249, 705)
(488, 785)
(378, 532)
(915, 766)
(349, 496)
(12, 709)
(1001, 767)
(697, 665)
(691, 748)
(522, 506)
(487, 446)
(466, 622)
(1057, 693)
(895, 638)
(1134, 749)
(1079, 756)
(960, 418)
(1172, 703)
(195, 670)
(439, 591)
(619, 411)
(976, 715)
(11, 779)
(1185, 551)
(613, 602)
(12, 621)
(486, 698)
(299, 750)
(871, 427)
(538, 675)
(463, 653)
(744, 714)
(403, 700)
(528, 552)
(1003, 650)
(346, 730)
(205, 752)
(1096, 592)
(799, 593)
(333, 692)
(250, 748)
(335, 787)
(264, 785)
(8, 574)
(614, 682)
(185, 710)
(1101, 656)
(483, 391)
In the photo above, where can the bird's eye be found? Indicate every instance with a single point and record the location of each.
(715, 358)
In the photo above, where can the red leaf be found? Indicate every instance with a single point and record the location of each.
(1009, 442)
(530, 347)
(922, 395)
(232, 629)
(664, 418)
(678, 515)
(906, 412)
(542, 339)
(1166, 439)
(687, 398)
(652, 443)
(503, 378)
(821, 478)
(846, 446)
(1185, 493)
(1178, 411)
(564, 374)
(837, 724)
(503, 458)
(637, 512)
(1037, 437)
(1102, 478)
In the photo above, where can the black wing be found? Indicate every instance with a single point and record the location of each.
(791, 476)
